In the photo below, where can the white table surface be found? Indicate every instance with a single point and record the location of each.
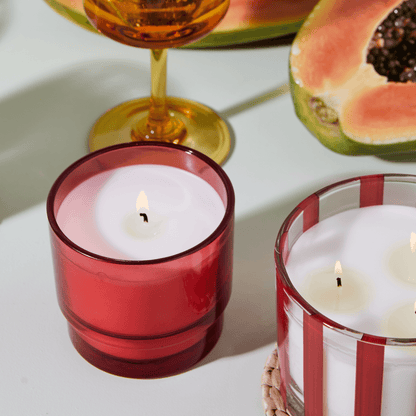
(56, 79)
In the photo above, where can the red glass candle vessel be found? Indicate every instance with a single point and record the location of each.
(151, 318)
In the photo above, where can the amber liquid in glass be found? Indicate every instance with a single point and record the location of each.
(155, 24)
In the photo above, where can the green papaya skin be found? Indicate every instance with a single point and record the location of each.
(237, 37)
(329, 135)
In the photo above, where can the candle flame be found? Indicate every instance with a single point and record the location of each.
(338, 268)
(413, 242)
(142, 201)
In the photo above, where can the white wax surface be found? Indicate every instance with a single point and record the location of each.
(94, 214)
(368, 242)
(364, 240)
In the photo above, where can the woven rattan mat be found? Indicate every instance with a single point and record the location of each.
(270, 386)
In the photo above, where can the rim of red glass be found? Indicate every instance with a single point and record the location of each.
(295, 295)
(229, 209)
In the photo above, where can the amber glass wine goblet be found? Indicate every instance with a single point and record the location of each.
(158, 25)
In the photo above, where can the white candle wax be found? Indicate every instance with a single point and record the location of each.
(401, 322)
(364, 240)
(402, 262)
(101, 216)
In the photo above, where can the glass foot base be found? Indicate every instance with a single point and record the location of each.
(206, 131)
(149, 366)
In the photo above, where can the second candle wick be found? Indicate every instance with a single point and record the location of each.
(145, 219)
(339, 283)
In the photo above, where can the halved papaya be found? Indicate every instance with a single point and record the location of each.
(245, 21)
(251, 20)
(353, 73)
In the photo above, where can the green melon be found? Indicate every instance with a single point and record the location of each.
(353, 77)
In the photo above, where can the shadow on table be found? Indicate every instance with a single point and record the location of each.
(250, 317)
(246, 105)
(45, 126)
(5, 15)
(396, 158)
(254, 101)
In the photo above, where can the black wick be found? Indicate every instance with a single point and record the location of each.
(339, 283)
(144, 217)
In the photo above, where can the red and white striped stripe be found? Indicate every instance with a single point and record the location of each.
(369, 350)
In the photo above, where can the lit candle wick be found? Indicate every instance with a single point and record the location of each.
(338, 270)
(413, 242)
(415, 307)
(142, 223)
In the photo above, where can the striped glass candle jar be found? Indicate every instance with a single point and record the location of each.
(347, 335)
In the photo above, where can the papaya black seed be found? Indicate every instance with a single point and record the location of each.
(392, 49)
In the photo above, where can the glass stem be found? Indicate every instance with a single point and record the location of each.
(158, 112)
(159, 124)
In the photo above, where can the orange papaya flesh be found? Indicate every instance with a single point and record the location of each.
(382, 123)
(348, 75)
(245, 21)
